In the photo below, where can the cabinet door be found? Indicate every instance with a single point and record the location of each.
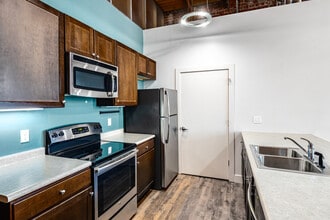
(78, 37)
(32, 54)
(77, 207)
(145, 172)
(141, 64)
(104, 48)
(127, 79)
(151, 69)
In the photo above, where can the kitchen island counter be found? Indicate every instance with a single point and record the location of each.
(290, 195)
(23, 173)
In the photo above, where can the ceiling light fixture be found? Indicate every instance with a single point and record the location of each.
(197, 18)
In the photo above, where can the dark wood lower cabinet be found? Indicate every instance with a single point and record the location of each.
(69, 198)
(77, 207)
(145, 168)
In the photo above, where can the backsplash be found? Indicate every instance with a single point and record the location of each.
(76, 110)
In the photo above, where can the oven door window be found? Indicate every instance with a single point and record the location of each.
(89, 80)
(114, 184)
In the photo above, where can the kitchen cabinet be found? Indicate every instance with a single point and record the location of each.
(139, 13)
(127, 78)
(146, 67)
(252, 202)
(145, 167)
(69, 198)
(124, 6)
(82, 39)
(32, 55)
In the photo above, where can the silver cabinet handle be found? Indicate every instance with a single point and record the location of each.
(93, 54)
(147, 147)
(184, 129)
(62, 191)
(250, 202)
(91, 194)
(98, 56)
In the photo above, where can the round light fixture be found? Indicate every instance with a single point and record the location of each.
(189, 20)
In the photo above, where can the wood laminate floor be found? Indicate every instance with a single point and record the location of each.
(194, 198)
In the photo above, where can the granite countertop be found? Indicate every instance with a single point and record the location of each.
(290, 195)
(26, 172)
(121, 136)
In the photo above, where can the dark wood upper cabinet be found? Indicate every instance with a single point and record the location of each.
(32, 55)
(124, 6)
(146, 67)
(127, 79)
(139, 13)
(84, 40)
(79, 38)
(151, 14)
(151, 69)
(104, 47)
(160, 17)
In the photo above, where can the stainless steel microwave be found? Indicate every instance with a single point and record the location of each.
(88, 77)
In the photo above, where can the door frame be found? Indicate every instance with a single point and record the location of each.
(231, 110)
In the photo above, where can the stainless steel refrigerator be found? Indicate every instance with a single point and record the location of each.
(156, 113)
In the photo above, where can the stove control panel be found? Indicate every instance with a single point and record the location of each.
(80, 130)
(72, 131)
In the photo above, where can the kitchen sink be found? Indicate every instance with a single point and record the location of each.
(278, 151)
(284, 159)
(296, 164)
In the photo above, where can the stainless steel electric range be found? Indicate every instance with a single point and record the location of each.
(113, 165)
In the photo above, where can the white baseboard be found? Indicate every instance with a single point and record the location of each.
(238, 178)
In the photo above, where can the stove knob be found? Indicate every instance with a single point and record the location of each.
(61, 133)
(54, 135)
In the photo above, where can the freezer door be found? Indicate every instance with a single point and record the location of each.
(170, 158)
(168, 100)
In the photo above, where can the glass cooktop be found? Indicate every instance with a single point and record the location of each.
(110, 150)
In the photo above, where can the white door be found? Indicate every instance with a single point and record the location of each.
(204, 112)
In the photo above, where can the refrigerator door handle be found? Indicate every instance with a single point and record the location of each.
(165, 130)
(168, 131)
(168, 104)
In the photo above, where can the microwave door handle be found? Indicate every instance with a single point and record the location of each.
(114, 80)
(109, 84)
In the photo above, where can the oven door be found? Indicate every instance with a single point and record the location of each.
(115, 186)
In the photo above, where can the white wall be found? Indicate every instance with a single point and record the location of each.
(282, 64)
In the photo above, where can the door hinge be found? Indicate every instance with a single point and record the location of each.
(229, 81)
(229, 163)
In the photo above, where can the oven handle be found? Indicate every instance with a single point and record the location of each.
(107, 166)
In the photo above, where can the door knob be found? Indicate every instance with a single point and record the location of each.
(183, 128)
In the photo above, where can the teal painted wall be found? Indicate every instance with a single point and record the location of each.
(102, 16)
(77, 110)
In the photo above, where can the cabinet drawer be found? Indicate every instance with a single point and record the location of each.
(144, 147)
(52, 195)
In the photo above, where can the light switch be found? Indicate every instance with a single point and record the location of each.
(109, 122)
(25, 136)
(257, 119)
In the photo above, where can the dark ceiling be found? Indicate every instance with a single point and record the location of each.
(174, 9)
(172, 5)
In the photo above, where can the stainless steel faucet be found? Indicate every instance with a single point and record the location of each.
(310, 151)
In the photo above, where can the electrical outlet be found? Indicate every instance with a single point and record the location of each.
(25, 136)
(257, 119)
(109, 122)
